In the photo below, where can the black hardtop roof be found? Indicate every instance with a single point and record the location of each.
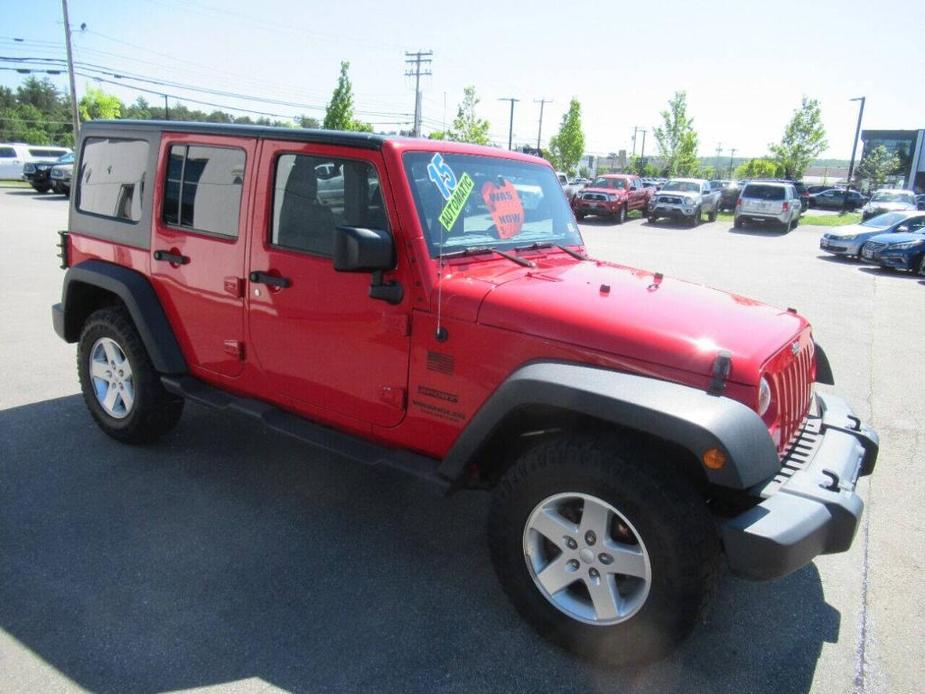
(331, 137)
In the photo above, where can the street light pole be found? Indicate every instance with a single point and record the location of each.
(857, 133)
(510, 131)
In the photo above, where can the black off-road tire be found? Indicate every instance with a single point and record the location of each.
(620, 216)
(41, 189)
(695, 218)
(671, 520)
(154, 411)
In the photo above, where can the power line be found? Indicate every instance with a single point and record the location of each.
(417, 59)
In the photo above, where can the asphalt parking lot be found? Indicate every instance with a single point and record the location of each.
(226, 556)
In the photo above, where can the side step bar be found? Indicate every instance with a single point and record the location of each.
(352, 447)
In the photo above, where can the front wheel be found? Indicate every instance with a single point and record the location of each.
(695, 218)
(652, 219)
(621, 214)
(603, 548)
(579, 216)
(41, 188)
(712, 215)
(120, 386)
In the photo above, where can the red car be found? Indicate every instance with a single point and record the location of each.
(428, 305)
(612, 195)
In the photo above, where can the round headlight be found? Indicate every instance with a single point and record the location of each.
(764, 396)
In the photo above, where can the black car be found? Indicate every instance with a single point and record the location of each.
(39, 173)
(834, 199)
(730, 194)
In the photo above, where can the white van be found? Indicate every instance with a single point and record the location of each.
(15, 155)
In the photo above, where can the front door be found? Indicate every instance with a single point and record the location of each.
(197, 263)
(318, 338)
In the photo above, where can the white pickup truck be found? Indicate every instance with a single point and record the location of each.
(567, 186)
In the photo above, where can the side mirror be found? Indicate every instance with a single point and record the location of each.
(363, 250)
(368, 250)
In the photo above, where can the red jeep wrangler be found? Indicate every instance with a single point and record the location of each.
(428, 306)
(612, 195)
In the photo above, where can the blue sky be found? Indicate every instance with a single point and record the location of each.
(745, 65)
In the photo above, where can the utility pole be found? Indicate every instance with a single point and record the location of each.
(70, 72)
(732, 153)
(642, 152)
(635, 128)
(416, 60)
(539, 133)
(510, 131)
(166, 108)
(719, 151)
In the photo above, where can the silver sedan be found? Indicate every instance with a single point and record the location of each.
(848, 240)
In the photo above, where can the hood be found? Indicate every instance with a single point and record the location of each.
(900, 237)
(678, 193)
(856, 231)
(611, 191)
(630, 313)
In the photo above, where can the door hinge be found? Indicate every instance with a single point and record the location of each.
(234, 286)
(392, 396)
(397, 324)
(235, 348)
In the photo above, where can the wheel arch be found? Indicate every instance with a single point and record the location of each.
(548, 397)
(94, 284)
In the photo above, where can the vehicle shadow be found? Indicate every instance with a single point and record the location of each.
(886, 272)
(226, 553)
(840, 259)
(37, 195)
(761, 231)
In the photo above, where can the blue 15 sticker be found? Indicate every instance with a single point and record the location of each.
(442, 176)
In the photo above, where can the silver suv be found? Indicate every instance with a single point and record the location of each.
(768, 202)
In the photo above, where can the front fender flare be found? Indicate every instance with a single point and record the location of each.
(685, 416)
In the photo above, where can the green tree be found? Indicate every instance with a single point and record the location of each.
(467, 126)
(876, 165)
(804, 139)
(677, 139)
(41, 93)
(98, 105)
(568, 145)
(308, 122)
(758, 168)
(339, 112)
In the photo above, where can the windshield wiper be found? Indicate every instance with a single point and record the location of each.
(535, 246)
(574, 254)
(480, 250)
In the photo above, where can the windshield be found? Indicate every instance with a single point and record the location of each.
(66, 159)
(884, 196)
(881, 221)
(682, 186)
(466, 201)
(601, 182)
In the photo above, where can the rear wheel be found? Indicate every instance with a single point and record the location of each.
(604, 549)
(120, 386)
(738, 223)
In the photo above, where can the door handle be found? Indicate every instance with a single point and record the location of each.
(271, 280)
(172, 258)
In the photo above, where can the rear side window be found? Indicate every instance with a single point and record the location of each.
(314, 195)
(112, 177)
(759, 192)
(7, 152)
(203, 191)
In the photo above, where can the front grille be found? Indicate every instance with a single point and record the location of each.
(669, 200)
(791, 388)
(594, 196)
(874, 246)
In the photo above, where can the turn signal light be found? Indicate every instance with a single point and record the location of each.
(714, 459)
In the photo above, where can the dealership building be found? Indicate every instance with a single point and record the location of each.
(908, 146)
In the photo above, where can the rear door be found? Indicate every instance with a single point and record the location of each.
(319, 340)
(10, 163)
(197, 264)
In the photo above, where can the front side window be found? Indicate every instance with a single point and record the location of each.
(203, 191)
(469, 201)
(7, 153)
(47, 153)
(313, 195)
(111, 178)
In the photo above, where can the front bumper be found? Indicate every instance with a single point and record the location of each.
(810, 507)
(781, 218)
(840, 247)
(596, 206)
(673, 211)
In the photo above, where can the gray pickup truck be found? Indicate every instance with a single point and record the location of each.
(685, 199)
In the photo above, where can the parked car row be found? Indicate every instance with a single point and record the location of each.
(16, 156)
(894, 240)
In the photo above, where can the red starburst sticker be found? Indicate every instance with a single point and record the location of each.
(505, 206)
